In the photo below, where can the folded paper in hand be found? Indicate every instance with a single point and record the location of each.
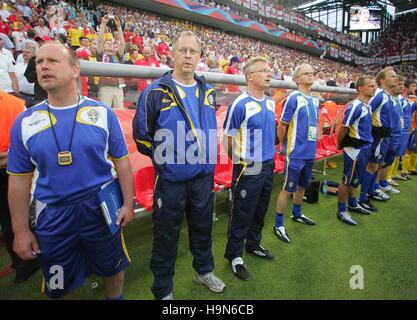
(111, 200)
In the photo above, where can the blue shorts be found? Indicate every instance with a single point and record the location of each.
(377, 151)
(389, 151)
(75, 242)
(404, 143)
(354, 169)
(412, 142)
(297, 172)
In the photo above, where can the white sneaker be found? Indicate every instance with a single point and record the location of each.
(211, 281)
(390, 189)
(346, 218)
(380, 195)
(168, 297)
(392, 183)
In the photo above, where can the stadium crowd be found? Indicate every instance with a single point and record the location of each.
(398, 39)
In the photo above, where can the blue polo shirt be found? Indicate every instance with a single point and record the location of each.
(300, 112)
(252, 124)
(97, 138)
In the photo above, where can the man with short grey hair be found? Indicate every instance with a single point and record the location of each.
(249, 138)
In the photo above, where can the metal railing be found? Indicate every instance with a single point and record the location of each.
(101, 69)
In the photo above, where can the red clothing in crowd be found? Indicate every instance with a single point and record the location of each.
(4, 28)
(138, 40)
(151, 62)
(231, 70)
(126, 35)
(163, 49)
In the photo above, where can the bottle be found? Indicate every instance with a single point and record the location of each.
(324, 188)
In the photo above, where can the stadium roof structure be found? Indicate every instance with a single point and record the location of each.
(400, 5)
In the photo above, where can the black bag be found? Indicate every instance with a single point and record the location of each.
(312, 192)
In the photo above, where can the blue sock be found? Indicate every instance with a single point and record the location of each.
(341, 207)
(353, 202)
(377, 186)
(296, 210)
(371, 189)
(116, 298)
(366, 182)
(279, 220)
(383, 183)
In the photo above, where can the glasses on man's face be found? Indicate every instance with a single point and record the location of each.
(184, 51)
(265, 70)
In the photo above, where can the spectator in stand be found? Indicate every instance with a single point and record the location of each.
(164, 62)
(147, 61)
(4, 51)
(111, 89)
(75, 33)
(27, 90)
(233, 67)
(8, 80)
(163, 48)
(18, 37)
(41, 29)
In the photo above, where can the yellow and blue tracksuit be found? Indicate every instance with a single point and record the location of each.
(182, 120)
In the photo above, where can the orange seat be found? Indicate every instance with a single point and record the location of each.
(322, 152)
(144, 185)
(279, 162)
(223, 172)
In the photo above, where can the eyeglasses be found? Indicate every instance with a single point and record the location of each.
(265, 70)
(192, 52)
(308, 74)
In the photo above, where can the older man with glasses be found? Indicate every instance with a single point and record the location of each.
(174, 125)
(249, 138)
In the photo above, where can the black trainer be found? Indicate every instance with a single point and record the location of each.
(359, 209)
(281, 233)
(262, 253)
(303, 219)
(413, 172)
(368, 205)
(240, 270)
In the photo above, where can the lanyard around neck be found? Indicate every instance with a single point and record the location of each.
(73, 125)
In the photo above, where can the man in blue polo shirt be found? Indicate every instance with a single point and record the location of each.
(71, 146)
(355, 137)
(381, 105)
(297, 134)
(249, 130)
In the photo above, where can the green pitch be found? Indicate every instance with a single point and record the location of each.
(316, 265)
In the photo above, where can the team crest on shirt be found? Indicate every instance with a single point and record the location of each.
(210, 99)
(243, 193)
(291, 184)
(270, 105)
(159, 203)
(93, 115)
